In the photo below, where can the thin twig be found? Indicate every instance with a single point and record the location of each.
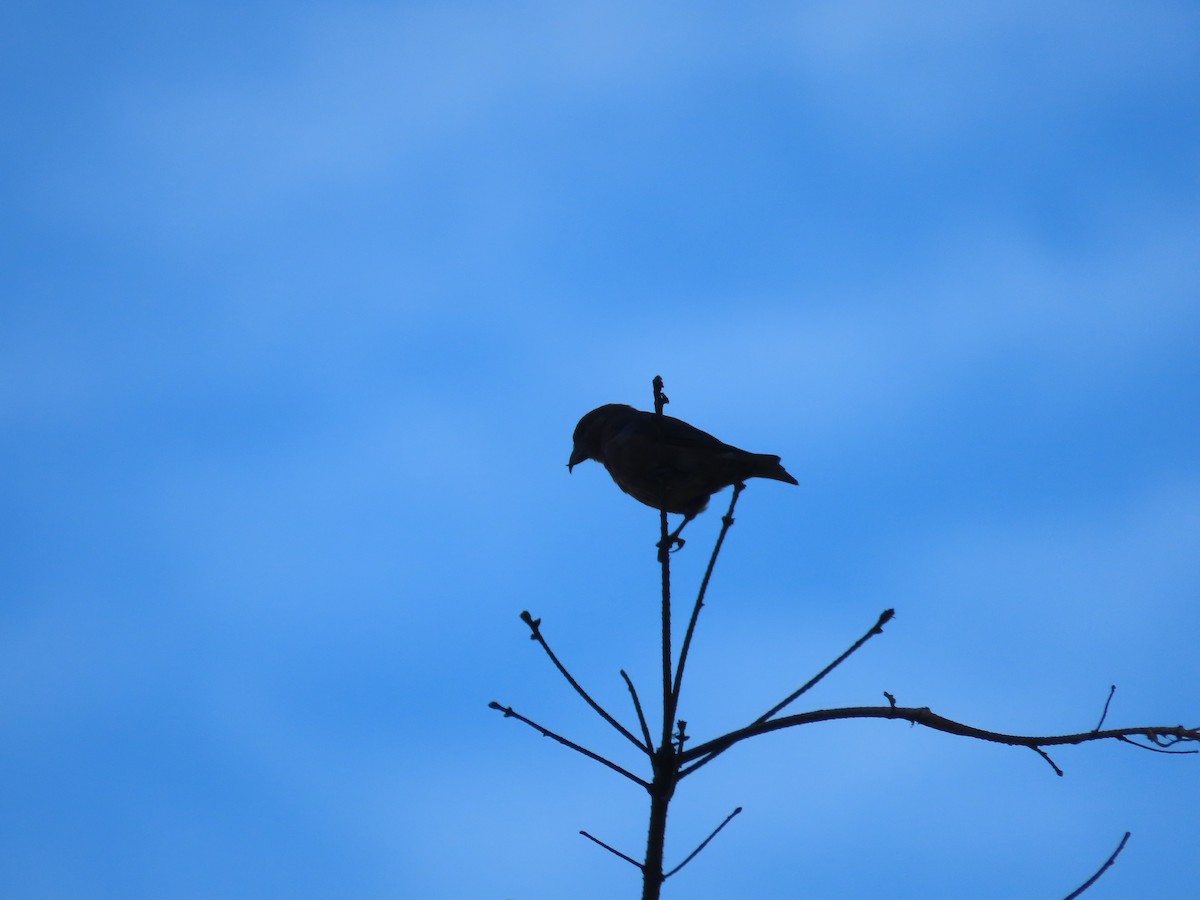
(1104, 715)
(726, 522)
(637, 705)
(1152, 736)
(611, 849)
(510, 713)
(1104, 868)
(1046, 756)
(535, 628)
(703, 844)
(877, 628)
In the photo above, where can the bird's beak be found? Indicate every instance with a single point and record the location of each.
(577, 456)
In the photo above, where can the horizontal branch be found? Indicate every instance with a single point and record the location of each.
(1159, 738)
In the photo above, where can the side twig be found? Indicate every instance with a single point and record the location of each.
(611, 849)
(536, 635)
(703, 844)
(884, 617)
(510, 713)
(1112, 689)
(875, 629)
(637, 705)
(1104, 868)
(726, 523)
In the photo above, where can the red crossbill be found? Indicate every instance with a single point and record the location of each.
(665, 462)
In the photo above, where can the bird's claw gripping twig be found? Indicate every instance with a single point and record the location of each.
(672, 544)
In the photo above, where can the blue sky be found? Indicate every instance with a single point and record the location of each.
(302, 303)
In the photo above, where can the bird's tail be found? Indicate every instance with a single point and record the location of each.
(767, 466)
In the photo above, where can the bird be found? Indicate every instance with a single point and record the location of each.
(664, 462)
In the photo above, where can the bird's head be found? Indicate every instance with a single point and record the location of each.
(589, 433)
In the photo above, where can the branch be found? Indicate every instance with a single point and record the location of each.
(535, 628)
(510, 713)
(1104, 868)
(1112, 689)
(612, 850)
(1162, 737)
(1046, 756)
(726, 522)
(637, 705)
(703, 844)
(877, 628)
(664, 559)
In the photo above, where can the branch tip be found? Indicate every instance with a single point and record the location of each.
(1046, 756)
(587, 698)
(534, 624)
(703, 844)
(1104, 715)
(612, 850)
(1104, 868)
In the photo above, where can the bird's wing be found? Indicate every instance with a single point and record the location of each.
(678, 433)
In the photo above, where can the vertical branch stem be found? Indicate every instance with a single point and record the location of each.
(665, 558)
(652, 868)
(664, 760)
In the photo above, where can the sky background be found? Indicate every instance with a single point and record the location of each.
(302, 301)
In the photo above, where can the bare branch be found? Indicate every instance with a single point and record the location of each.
(1104, 868)
(726, 522)
(612, 850)
(884, 617)
(1046, 756)
(637, 705)
(1152, 735)
(1163, 737)
(703, 844)
(877, 628)
(535, 628)
(510, 713)
(664, 558)
(1104, 715)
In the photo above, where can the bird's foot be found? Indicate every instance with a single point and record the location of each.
(672, 543)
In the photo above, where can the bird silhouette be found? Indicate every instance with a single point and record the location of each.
(664, 462)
